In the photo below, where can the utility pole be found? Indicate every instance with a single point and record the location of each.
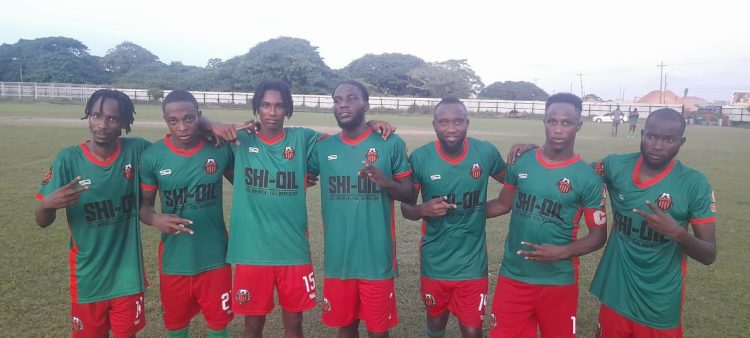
(661, 83)
(580, 76)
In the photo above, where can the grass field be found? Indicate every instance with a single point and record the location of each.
(34, 282)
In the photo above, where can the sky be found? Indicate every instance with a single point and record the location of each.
(615, 45)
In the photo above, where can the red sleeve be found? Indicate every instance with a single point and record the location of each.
(403, 174)
(148, 187)
(509, 186)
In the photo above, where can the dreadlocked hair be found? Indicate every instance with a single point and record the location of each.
(125, 106)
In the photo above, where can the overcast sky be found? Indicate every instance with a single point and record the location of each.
(616, 45)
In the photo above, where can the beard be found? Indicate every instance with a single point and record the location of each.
(661, 164)
(354, 122)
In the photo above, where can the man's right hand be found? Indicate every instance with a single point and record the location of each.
(65, 196)
(436, 207)
(171, 224)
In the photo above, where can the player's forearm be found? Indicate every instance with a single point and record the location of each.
(147, 214)
(411, 211)
(699, 249)
(44, 216)
(593, 241)
(495, 207)
(400, 191)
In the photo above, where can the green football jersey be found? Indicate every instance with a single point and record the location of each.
(105, 257)
(642, 272)
(454, 247)
(190, 186)
(269, 210)
(358, 216)
(547, 201)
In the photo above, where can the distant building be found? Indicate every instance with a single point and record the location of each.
(670, 97)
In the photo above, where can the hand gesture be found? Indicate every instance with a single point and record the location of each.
(436, 207)
(544, 252)
(660, 221)
(228, 132)
(373, 172)
(381, 127)
(65, 196)
(171, 224)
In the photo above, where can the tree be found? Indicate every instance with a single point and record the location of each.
(447, 78)
(289, 59)
(126, 57)
(514, 90)
(214, 64)
(388, 73)
(51, 59)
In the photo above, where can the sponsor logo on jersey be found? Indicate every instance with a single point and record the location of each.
(210, 167)
(253, 150)
(476, 171)
(326, 305)
(522, 176)
(664, 201)
(288, 153)
(165, 172)
(332, 157)
(564, 185)
(85, 182)
(429, 300)
(48, 177)
(242, 296)
(435, 177)
(372, 155)
(76, 325)
(128, 172)
(620, 197)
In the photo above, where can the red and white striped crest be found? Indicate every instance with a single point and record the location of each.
(242, 296)
(476, 171)
(288, 153)
(372, 155)
(564, 185)
(210, 167)
(664, 201)
(128, 172)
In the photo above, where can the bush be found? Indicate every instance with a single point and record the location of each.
(155, 94)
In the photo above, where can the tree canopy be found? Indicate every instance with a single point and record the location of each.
(388, 73)
(52, 59)
(514, 90)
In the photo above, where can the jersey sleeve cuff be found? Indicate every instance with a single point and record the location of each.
(509, 186)
(417, 186)
(148, 187)
(703, 220)
(39, 197)
(403, 174)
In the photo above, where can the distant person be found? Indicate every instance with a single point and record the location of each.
(633, 120)
(547, 190)
(361, 176)
(616, 119)
(187, 174)
(97, 183)
(641, 276)
(452, 174)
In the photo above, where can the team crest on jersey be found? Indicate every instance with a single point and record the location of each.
(242, 296)
(48, 177)
(493, 321)
(326, 305)
(288, 153)
(429, 300)
(128, 172)
(372, 155)
(76, 325)
(476, 171)
(210, 167)
(664, 201)
(564, 185)
(599, 168)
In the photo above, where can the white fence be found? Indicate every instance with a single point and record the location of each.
(80, 92)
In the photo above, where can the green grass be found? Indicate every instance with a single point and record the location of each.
(34, 281)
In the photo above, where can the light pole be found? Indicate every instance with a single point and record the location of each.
(21, 66)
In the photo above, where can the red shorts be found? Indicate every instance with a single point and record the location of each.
(182, 297)
(632, 126)
(125, 316)
(613, 324)
(373, 301)
(465, 299)
(254, 284)
(519, 308)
